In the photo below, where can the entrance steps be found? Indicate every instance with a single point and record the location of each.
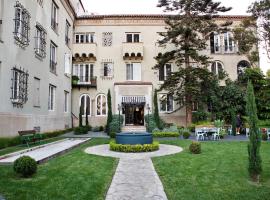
(133, 129)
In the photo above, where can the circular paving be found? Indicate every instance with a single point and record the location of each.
(104, 150)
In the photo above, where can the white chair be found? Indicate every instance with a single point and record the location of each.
(216, 134)
(247, 132)
(268, 133)
(200, 134)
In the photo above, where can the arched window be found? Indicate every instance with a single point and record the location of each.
(242, 66)
(101, 103)
(85, 104)
(217, 68)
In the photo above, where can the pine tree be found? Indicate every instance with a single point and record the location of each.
(189, 32)
(80, 117)
(156, 112)
(255, 162)
(109, 117)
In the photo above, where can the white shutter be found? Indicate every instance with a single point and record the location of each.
(67, 63)
(137, 71)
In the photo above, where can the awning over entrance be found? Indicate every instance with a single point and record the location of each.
(133, 99)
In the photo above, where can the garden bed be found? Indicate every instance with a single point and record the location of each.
(127, 148)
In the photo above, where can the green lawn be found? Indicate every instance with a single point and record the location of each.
(75, 175)
(22, 147)
(220, 172)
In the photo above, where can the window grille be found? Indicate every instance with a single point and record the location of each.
(22, 25)
(107, 39)
(19, 88)
(40, 41)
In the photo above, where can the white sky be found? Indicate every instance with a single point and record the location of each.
(149, 6)
(239, 7)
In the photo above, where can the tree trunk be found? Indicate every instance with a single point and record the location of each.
(188, 115)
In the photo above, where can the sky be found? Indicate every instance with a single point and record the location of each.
(239, 7)
(149, 6)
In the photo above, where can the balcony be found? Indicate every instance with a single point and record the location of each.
(85, 51)
(84, 82)
(132, 51)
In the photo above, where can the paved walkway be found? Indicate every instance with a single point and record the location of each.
(135, 177)
(90, 134)
(44, 152)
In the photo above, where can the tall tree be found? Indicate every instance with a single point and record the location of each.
(86, 116)
(80, 117)
(189, 32)
(109, 117)
(156, 113)
(255, 162)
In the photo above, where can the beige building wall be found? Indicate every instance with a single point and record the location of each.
(12, 118)
(148, 26)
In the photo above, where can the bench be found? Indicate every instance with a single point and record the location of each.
(30, 137)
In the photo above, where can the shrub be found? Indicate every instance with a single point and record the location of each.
(7, 142)
(191, 127)
(112, 134)
(200, 116)
(114, 126)
(133, 148)
(81, 130)
(264, 136)
(165, 134)
(186, 134)
(96, 129)
(195, 147)
(151, 126)
(101, 128)
(89, 127)
(25, 165)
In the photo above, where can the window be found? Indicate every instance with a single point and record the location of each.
(40, 41)
(22, 25)
(101, 105)
(84, 38)
(107, 69)
(165, 71)
(85, 72)
(165, 103)
(215, 43)
(51, 102)
(228, 42)
(53, 62)
(241, 67)
(66, 101)
(67, 39)
(217, 68)
(67, 63)
(133, 37)
(54, 17)
(107, 39)
(19, 87)
(36, 93)
(133, 71)
(85, 104)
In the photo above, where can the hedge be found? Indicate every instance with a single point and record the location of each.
(127, 148)
(13, 141)
(165, 134)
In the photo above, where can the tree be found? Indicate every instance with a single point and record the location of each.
(109, 117)
(86, 117)
(156, 112)
(255, 167)
(188, 32)
(80, 116)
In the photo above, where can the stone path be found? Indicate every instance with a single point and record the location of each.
(45, 152)
(135, 177)
(90, 134)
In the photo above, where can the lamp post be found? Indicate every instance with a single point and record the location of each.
(148, 109)
(119, 108)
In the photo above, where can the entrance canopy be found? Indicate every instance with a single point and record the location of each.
(133, 99)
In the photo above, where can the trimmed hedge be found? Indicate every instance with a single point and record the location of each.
(165, 134)
(25, 165)
(81, 130)
(195, 147)
(114, 125)
(127, 148)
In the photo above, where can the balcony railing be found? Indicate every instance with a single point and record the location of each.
(224, 49)
(84, 81)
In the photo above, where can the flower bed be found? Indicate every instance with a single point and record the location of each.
(134, 148)
(166, 134)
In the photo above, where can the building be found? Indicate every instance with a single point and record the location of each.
(117, 52)
(35, 64)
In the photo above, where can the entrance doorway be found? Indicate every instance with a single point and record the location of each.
(134, 114)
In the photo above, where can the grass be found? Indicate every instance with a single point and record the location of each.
(22, 147)
(220, 172)
(75, 175)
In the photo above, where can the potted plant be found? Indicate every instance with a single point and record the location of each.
(75, 80)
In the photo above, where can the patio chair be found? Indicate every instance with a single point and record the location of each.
(268, 133)
(200, 134)
(216, 135)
